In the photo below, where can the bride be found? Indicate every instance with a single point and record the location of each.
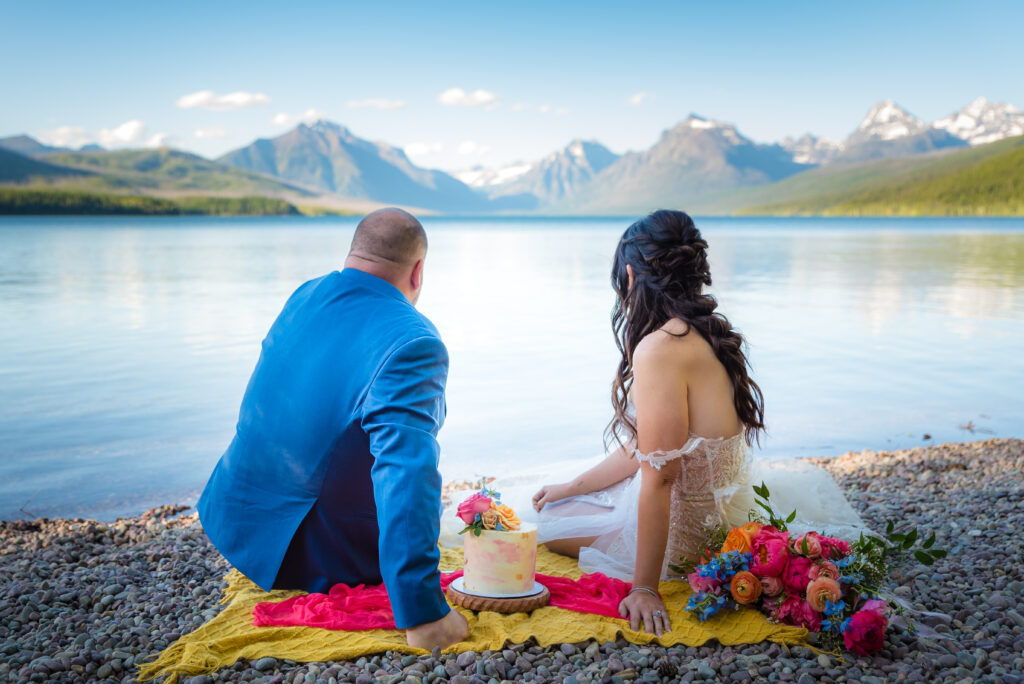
(686, 414)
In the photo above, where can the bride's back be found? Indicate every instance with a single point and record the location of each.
(710, 408)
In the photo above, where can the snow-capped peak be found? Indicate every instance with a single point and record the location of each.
(809, 149)
(576, 149)
(983, 122)
(888, 121)
(481, 177)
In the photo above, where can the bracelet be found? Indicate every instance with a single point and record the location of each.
(649, 591)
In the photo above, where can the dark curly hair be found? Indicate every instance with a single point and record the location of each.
(670, 270)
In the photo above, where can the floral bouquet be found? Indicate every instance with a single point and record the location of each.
(829, 586)
(484, 511)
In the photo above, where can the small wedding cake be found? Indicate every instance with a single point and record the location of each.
(500, 552)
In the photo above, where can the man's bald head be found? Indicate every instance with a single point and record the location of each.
(390, 235)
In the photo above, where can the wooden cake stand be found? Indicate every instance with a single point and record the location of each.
(520, 604)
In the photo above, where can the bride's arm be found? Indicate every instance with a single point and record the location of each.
(617, 466)
(662, 424)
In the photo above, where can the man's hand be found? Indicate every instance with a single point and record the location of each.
(450, 629)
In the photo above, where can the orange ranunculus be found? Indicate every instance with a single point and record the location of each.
(737, 540)
(821, 590)
(745, 587)
(509, 519)
(752, 528)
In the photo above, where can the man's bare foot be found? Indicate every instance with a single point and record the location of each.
(450, 629)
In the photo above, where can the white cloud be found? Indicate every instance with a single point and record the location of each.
(307, 116)
(457, 97)
(468, 147)
(127, 133)
(66, 136)
(207, 99)
(158, 140)
(211, 133)
(419, 149)
(520, 106)
(638, 99)
(375, 103)
(130, 133)
(562, 111)
(544, 108)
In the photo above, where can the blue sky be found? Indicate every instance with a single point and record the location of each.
(119, 73)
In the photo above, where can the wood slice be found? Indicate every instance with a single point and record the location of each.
(520, 604)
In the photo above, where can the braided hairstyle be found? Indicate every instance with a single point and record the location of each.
(670, 270)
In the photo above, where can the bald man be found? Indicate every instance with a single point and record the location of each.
(332, 474)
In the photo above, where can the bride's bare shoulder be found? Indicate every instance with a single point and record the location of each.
(671, 347)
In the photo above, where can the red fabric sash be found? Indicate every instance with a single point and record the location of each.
(363, 607)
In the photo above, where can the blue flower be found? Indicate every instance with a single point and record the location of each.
(846, 625)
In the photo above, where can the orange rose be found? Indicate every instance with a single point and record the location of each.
(490, 519)
(821, 590)
(737, 540)
(745, 588)
(509, 519)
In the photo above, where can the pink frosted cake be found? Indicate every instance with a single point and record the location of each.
(500, 553)
(501, 563)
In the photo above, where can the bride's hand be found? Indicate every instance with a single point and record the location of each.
(643, 608)
(548, 494)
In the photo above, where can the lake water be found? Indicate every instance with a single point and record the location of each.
(126, 344)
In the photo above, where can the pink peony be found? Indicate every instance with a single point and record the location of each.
(826, 569)
(865, 632)
(468, 509)
(880, 607)
(772, 586)
(795, 575)
(813, 545)
(797, 612)
(706, 584)
(770, 550)
(832, 548)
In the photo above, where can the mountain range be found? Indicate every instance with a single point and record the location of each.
(697, 163)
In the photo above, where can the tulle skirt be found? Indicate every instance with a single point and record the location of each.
(611, 515)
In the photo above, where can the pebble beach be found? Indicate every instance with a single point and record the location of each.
(84, 601)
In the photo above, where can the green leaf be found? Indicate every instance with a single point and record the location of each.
(911, 538)
(929, 541)
(923, 557)
(889, 527)
(477, 531)
(764, 488)
(792, 516)
(897, 537)
(938, 553)
(803, 546)
(766, 507)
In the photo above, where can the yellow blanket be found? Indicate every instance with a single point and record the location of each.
(231, 634)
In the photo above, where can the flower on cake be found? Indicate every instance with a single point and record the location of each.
(484, 511)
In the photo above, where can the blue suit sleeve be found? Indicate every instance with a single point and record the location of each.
(402, 413)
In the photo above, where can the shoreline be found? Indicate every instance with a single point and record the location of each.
(84, 600)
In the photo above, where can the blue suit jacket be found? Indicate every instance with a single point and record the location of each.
(332, 473)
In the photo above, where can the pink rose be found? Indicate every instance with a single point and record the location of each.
(772, 586)
(797, 612)
(770, 550)
(812, 543)
(833, 548)
(705, 584)
(865, 632)
(826, 569)
(795, 575)
(880, 607)
(468, 509)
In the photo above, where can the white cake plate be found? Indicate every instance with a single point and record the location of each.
(460, 586)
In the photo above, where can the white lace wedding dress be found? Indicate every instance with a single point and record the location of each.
(714, 487)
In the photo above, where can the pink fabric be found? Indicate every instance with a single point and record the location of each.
(368, 607)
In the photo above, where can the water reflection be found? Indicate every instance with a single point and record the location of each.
(126, 344)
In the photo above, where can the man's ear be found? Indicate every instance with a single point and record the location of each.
(416, 277)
